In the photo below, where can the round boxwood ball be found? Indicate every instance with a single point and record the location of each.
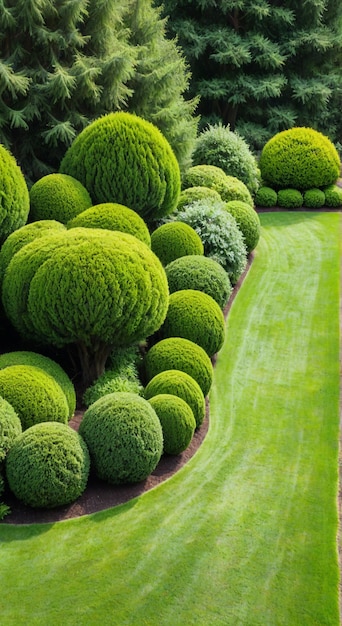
(124, 437)
(173, 240)
(247, 220)
(333, 196)
(314, 198)
(228, 187)
(123, 158)
(290, 198)
(177, 422)
(10, 427)
(14, 194)
(266, 197)
(196, 316)
(48, 465)
(58, 197)
(35, 396)
(182, 385)
(192, 194)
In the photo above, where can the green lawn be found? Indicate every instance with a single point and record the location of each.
(245, 533)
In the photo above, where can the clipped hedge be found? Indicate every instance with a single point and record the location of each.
(58, 197)
(10, 427)
(247, 220)
(124, 437)
(14, 194)
(191, 194)
(228, 187)
(333, 196)
(182, 385)
(314, 198)
(174, 240)
(177, 422)
(48, 465)
(290, 198)
(266, 197)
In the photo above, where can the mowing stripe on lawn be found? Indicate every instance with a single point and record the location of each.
(245, 533)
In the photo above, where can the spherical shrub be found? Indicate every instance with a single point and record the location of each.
(49, 366)
(58, 197)
(218, 145)
(48, 465)
(201, 273)
(266, 197)
(247, 220)
(314, 198)
(113, 216)
(299, 158)
(124, 437)
(290, 198)
(191, 194)
(14, 194)
(173, 240)
(177, 353)
(228, 187)
(177, 422)
(122, 158)
(183, 386)
(333, 196)
(35, 396)
(10, 427)
(220, 234)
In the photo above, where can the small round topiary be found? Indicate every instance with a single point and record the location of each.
(195, 316)
(228, 187)
(183, 386)
(299, 158)
(48, 465)
(177, 422)
(174, 240)
(314, 198)
(191, 194)
(247, 220)
(266, 197)
(14, 194)
(333, 196)
(35, 396)
(122, 158)
(201, 273)
(177, 353)
(113, 216)
(58, 197)
(124, 437)
(10, 427)
(290, 198)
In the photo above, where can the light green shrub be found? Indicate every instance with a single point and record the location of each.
(10, 428)
(58, 197)
(182, 385)
(177, 422)
(247, 220)
(228, 187)
(266, 197)
(48, 465)
(333, 196)
(14, 195)
(191, 194)
(124, 437)
(314, 198)
(174, 240)
(122, 158)
(290, 198)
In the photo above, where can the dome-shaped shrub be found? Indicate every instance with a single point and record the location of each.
(177, 422)
(191, 194)
(173, 240)
(266, 197)
(35, 396)
(290, 198)
(218, 145)
(314, 198)
(124, 437)
(201, 273)
(49, 366)
(113, 216)
(14, 194)
(122, 158)
(299, 158)
(247, 220)
(10, 427)
(183, 386)
(48, 465)
(177, 353)
(228, 187)
(58, 197)
(333, 196)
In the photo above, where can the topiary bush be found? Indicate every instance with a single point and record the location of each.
(48, 465)
(266, 197)
(314, 198)
(175, 239)
(290, 198)
(124, 437)
(58, 197)
(333, 196)
(14, 194)
(177, 353)
(113, 216)
(10, 427)
(299, 158)
(177, 422)
(34, 395)
(247, 220)
(228, 187)
(182, 385)
(218, 145)
(122, 158)
(191, 194)
(201, 273)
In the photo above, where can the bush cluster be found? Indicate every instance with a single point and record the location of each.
(14, 194)
(266, 197)
(228, 187)
(248, 222)
(182, 385)
(10, 427)
(290, 198)
(177, 422)
(58, 197)
(173, 240)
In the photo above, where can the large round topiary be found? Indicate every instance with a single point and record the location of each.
(314, 198)
(35, 396)
(48, 465)
(113, 216)
(247, 220)
(333, 196)
(122, 158)
(177, 422)
(58, 197)
(191, 194)
(228, 187)
(290, 198)
(266, 197)
(174, 240)
(10, 427)
(299, 158)
(177, 353)
(182, 385)
(14, 195)
(124, 437)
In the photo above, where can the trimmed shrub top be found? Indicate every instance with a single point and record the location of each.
(58, 197)
(247, 220)
(10, 427)
(122, 158)
(182, 385)
(228, 187)
(299, 158)
(113, 216)
(175, 239)
(177, 422)
(191, 194)
(14, 195)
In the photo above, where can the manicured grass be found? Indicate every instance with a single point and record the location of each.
(245, 533)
